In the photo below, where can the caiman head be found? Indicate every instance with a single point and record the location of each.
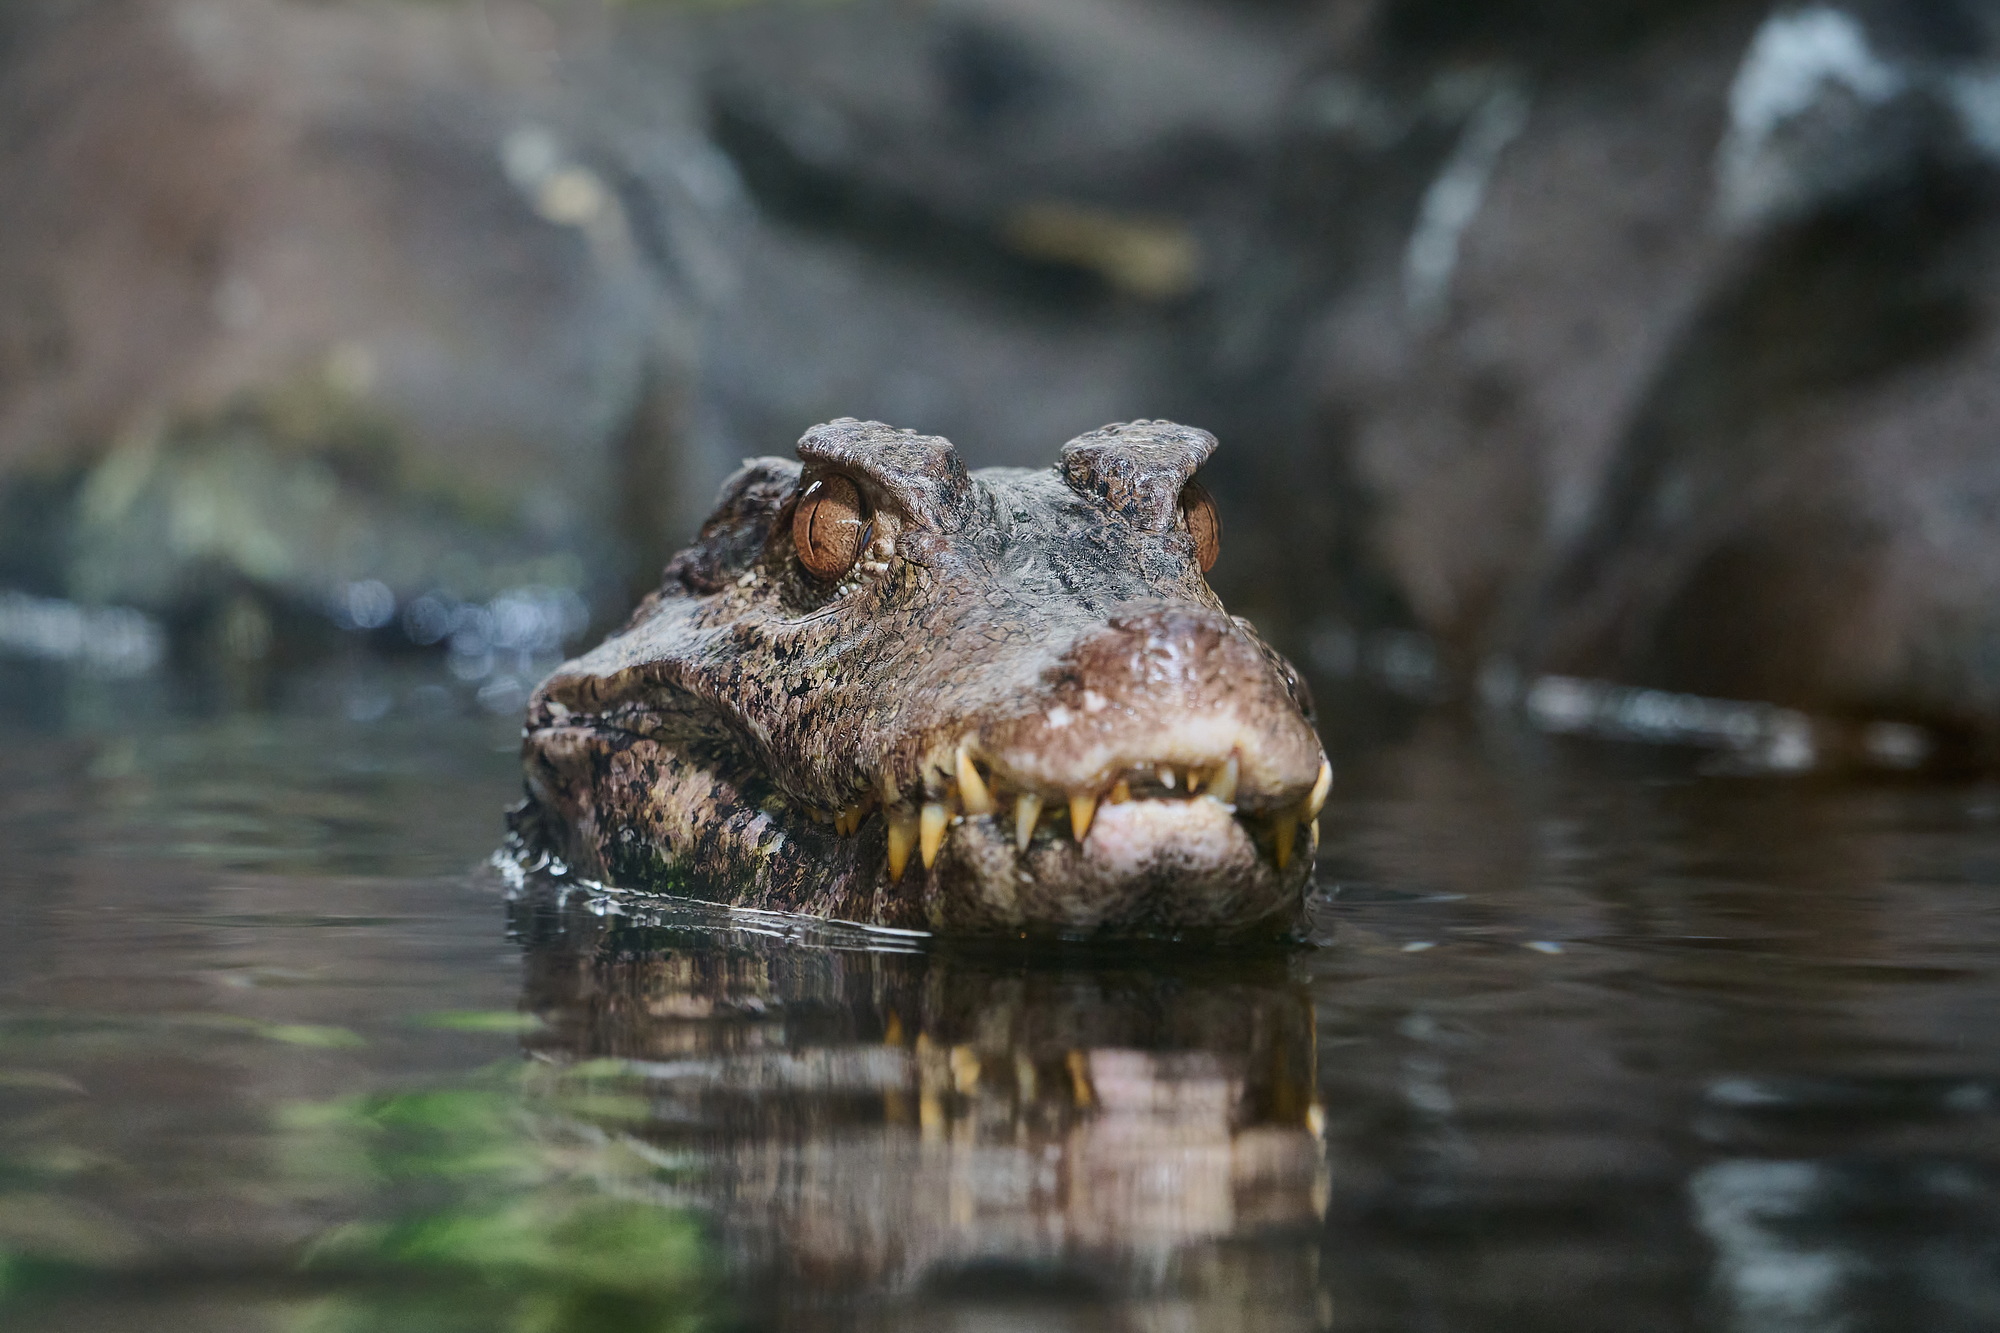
(883, 688)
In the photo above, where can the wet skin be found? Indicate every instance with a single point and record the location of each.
(882, 688)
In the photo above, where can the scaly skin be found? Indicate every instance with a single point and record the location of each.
(757, 736)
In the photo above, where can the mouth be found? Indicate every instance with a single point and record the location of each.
(1201, 809)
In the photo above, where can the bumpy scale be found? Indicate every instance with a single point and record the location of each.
(1022, 677)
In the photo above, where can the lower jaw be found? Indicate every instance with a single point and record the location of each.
(1147, 868)
(642, 816)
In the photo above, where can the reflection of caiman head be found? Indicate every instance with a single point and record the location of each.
(882, 688)
(884, 1118)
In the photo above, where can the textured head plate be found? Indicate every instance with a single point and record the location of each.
(1137, 468)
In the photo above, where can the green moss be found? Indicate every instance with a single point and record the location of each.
(524, 1230)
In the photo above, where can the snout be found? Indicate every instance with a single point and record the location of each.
(1159, 696)
(1165, 778)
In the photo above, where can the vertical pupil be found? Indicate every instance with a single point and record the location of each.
(817, 533)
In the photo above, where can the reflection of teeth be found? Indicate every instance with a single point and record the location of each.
(931, 831)
(972, 792)
(1282, 834)
(902, 836)
(1027, 809)
(1321, 783)
(1222, 785)
(1082, 808)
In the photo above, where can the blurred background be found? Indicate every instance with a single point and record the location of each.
(1646, 342)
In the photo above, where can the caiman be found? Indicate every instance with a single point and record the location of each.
(882, 688)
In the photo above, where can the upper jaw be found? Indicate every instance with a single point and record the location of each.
(1177, 812)
(1268, 757)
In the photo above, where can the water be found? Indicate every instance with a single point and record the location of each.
(1590, 1041)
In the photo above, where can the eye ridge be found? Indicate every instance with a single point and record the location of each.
(1204, 523)
(829, 527)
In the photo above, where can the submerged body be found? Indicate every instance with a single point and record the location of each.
(882, 688)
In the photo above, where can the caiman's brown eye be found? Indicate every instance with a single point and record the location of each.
(828, 528)
(1204, 524)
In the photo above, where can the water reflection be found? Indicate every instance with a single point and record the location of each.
(964, 1127)
(1588, 1041)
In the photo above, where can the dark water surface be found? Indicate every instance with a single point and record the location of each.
(1590, 1042)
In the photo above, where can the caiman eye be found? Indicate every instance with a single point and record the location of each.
(1203, 523)
(828, 528)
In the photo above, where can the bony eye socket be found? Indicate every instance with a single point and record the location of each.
(1203, 524)
(829, 527)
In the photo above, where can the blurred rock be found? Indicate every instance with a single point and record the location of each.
(1661, 353)
(300, 295)
(1648, 342)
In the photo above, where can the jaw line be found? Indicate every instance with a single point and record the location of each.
(1149, 867)
(1152, 865)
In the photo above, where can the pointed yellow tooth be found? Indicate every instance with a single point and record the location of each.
(902, 836)
(930, 835)
(972, 791)
(1282, 834)
(1121, 792)
(1027, 809)
(1222, 786)
(1193, 780)
(1316, 801)
(1082, 809)
(852, 815)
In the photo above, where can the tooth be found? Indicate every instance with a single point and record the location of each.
(902, 834)
(1027, 809)
(931, 834)
(851, 817)
(1193, 780)
(1121, 792)
(1082, 809)
(889, 793)
(1320, 785)
(1167, 776)
(1281, 839)
(1223, 785)
(971, 791)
